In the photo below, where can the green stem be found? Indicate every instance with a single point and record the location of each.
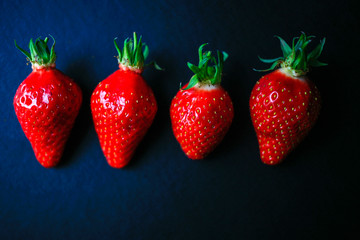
(133, 54)
(296, 58)
(205, 73)
(40, 54)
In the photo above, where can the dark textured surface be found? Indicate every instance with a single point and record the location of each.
(162, 194)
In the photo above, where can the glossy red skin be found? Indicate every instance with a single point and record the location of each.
(123, 108)
(283, 110)
(46, 104)
(200, 119)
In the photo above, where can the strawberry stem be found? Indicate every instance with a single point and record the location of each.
(295, 58)
(203, 72)
(40, 54)
(134, 54)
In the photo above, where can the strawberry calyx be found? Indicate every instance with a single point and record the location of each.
(133, 55)
(295, 59)
(205, 74)
(40, 55)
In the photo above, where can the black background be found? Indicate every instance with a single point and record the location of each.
(162, 194)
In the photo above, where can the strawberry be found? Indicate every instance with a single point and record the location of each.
(123, 106)
(46, 104)
(285, 104)
(202, 111)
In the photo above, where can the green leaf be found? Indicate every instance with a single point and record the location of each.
(200, 51)
(139, 58)
(272, 67)
(136, 42)
(39, 52)
(305, 44)
(286, 49)
(315, 54)
(270, 60)
(52, 51)
(32, 51)
(316, 63)
(204, 62)
(193, 68)
(118, 49)
(193, 81)
(131, 45)
(209, 69)
(157, 67)
(218, 68)
(296, 57)
(23, 51)
(225, 55)
(299, 43)
(127, 50)
(207, 54)
(146, 52)
(41, 48)
(211, 72)
(293, 43)
(220, 56)
(298, 61)
(217, 77)
(134, 53)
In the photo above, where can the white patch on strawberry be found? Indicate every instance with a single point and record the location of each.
(291, 73)
(206, 87)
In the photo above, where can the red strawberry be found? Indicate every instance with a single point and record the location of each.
(46, 104)
(285, 104)
(202, 111)
(123, 106)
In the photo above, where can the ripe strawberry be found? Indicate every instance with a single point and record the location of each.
(202, 111)
(285, 104)
(123, 106)
(46, 104)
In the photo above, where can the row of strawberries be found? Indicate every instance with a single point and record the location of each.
(284, 104)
